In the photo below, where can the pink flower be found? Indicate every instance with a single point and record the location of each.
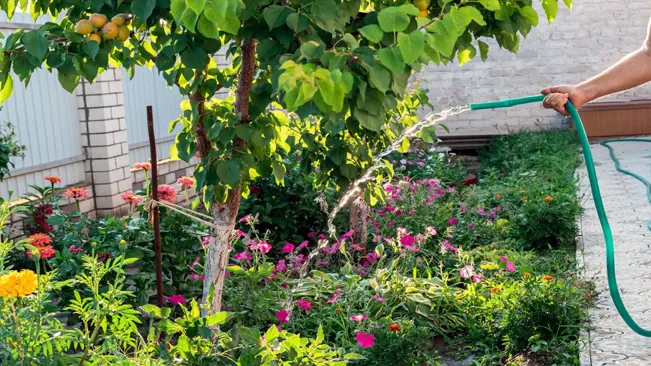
(431, 230)
(195, 277)
(281, 266)
(145, 166)
(311, 234)
(288, 248)
(166, 193)
(421, 164)
(322, 237)
(356, 247)
(334, 298)
(242, 257)
(196, 261)
(348, 234)
(378, 298)
(74, 250)
(77, 194)
(503, 259)
(185, 182)
(241, 234)
(452, 221)
(358, 318)
(420, 238)
(263, 246)
(176, 299)
(401, 231)
(466, 272)
(510, 266)
(365, 340)
(130, 198)
(481, 212)
(206, 241)
(243, 219)
(304, 304)
(322, 262)
(445, 245)
(478, 277)
(303, 245)
(413, 248)
(407, 240)
(282, 316)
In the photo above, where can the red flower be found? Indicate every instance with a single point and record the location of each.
(54, 179)
(39, 240)
(186, 182)
(470, 180)
(145, 166)
(78, 194)
(45, 252)
(166, 193)
(131, 198)
(394, 327)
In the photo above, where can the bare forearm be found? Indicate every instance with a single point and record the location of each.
(631, 71)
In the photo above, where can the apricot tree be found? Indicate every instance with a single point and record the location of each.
(335, 72)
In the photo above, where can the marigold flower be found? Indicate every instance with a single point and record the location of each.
(145, 166)
(166, 193)
(54, 179)
(18, 284)
(495, 289)
(39, 240)
(185, 182)
(131, 198)
(523, 198)
(548, 278)
(549, 198)
(498, 196)
(527, 275)
(76, 193)
(339, 310)
(393, 327)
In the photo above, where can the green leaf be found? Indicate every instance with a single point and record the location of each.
(276, 15)
(184, 15)
(472, 14)
(143, 8)
(350, 41)
(369, 121)
(217, 318)
(444, 37)
(196, 5)
(271, 334)
(195, 58)
(551, 9)
(354, 356)
(319, 335)
(68, 80)
(169, 326)
(404, 146)
(349, 171)
(568, 3)
(279, 171)
(393, 20)
(35, 44)
(491, 5)
(379, 77)
(372, 32)
(530, 15)
(466, 54)
(483, 50)
(90, 49)
(411, 45)
(224, 13)
(298, 22)
(312, 50)
(152, 309)
(228, 172)
(325, 14)
(207, 28)
(392, 59)
(432, 54)
(7, 88)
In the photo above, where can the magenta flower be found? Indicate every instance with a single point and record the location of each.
(378, 298)
(288, 248)
(358, 318)
(466, 272)
(510, 266)
(176, 299)
(481, 211)
(478, 277)
(263, 246)
(303, 245)
(322, 237)
(241, 234)
(452, 221)
(347, 234)
(242, 257)
(74, 250)
(421, 164)
(503, 259)
(304, 304)
(407, 240)
(243, 219)
(311, 234)
(445, 245)
(282, 316)
(356, 247)
(281, 266)
(365, 340)
(334, 298)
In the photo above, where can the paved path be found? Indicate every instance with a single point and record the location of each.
(610, 341)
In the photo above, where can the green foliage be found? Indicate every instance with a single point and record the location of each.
(9, 148)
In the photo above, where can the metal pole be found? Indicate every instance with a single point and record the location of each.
(155, 212)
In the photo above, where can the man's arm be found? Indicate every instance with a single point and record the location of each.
(631, 71)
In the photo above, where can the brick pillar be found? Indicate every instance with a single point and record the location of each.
(104, 137)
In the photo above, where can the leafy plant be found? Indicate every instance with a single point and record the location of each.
(9, 148)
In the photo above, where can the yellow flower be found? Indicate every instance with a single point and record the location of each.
(17, 284)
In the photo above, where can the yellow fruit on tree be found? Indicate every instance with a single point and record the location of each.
(98, 20)
(95, 37)
(109, 30)
(84, 27)
(423, 13)
(118, 19)
(123, 33)
(421, 4)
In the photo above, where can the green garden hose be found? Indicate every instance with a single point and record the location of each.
(596, 194)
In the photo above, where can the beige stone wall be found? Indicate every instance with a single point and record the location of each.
(577, 45)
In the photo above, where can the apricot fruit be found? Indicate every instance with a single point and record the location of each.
(109, 30)
(98, 20)
(95, 37)
(84, 27)
(123, 33)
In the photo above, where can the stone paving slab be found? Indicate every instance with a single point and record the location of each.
(609, 341)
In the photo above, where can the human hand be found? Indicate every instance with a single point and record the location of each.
(558, 96)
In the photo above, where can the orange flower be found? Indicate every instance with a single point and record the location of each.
(145, 166)
(527, 275)
(45, 252)
(54, 179)
(39, 240)
(498, 196)
(548, 278)
(338, 310)
(495, 289)
(524, 198)
(185, 182)
(394, 327)
(77, 194)
(549, 198)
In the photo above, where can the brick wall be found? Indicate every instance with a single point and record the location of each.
(577, 45)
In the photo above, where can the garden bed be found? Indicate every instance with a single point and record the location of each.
(455, 267)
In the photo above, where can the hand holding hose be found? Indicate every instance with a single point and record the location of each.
(558, 96)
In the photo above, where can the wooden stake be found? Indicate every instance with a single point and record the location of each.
(160, 299)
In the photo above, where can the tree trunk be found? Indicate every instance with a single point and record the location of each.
(225, 214)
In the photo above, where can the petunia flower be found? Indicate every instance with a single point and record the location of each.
(365, 340)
